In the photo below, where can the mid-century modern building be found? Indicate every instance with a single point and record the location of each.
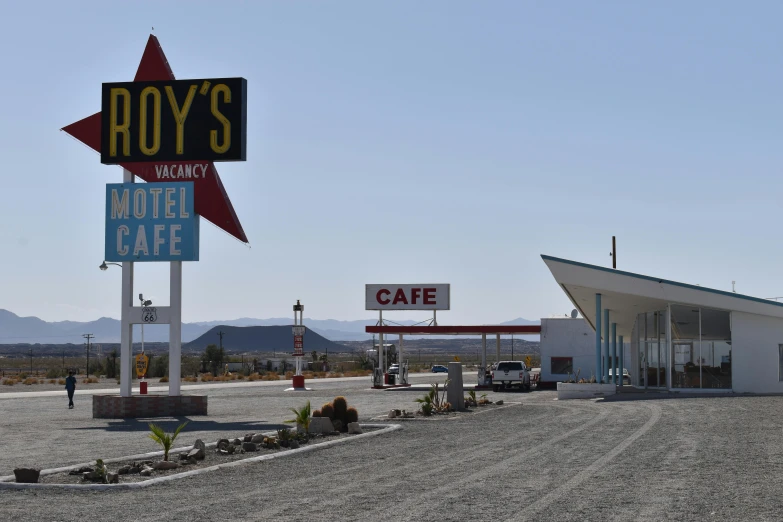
(682, 336)
(568, 350)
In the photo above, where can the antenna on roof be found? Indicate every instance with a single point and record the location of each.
(732, 287)
(613, 253)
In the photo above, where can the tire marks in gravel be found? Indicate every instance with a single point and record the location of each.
(487, 472)
(548, 499)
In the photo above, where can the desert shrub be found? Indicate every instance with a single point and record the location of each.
(253, 377)
(22, 376)
(317, 413)
(340, 407)
(164, 379)
(302, 417)
(30, 381)
(52, 381)
(271, 376)
(190, 379)
(8, 382)
(327, 410)
(61, 382)
(54, 373)
(289, 375)
(351, 415)
(308, 375)
(241, 377)
(207, 377)
(159, 366)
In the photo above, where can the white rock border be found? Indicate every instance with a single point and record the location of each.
(5, 482)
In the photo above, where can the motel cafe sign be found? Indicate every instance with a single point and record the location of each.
(151, 222)
(407, 297)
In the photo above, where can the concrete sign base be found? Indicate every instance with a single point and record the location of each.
(136, 406)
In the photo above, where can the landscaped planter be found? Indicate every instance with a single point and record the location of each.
(573, 390)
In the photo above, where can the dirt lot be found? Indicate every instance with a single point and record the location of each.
(665, 459)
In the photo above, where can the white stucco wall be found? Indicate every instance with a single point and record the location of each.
(566, 337)
(754, 353)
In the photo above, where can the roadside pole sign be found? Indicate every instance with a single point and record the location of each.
(298, 346)
(299, 331)
(141, 365)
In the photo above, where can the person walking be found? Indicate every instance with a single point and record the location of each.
(70, 387)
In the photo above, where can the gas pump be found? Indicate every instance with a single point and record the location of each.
(484, 377)
(377, 377)
(403, 373)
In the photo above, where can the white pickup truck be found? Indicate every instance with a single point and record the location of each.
(510, 373)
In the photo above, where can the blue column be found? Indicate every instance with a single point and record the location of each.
(597, 337)
(606, 346)
(614, 353)
(622, 363)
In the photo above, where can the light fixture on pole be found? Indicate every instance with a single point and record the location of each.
(105, 266)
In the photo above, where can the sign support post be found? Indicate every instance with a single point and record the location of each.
(175, 328)
(126, 334)
(381, 354)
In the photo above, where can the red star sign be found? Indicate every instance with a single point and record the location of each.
(210, 198)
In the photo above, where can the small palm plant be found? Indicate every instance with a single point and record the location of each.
(302, 417)
(164, 439)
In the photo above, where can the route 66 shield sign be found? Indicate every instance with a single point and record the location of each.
(149, 315)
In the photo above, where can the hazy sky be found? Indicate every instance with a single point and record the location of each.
(406, 142)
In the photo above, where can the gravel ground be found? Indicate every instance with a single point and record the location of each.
(662, 459)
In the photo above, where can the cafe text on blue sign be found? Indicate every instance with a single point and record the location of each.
(151, 222)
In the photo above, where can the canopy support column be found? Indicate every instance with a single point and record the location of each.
(597, 337)
(606, 347)
(614, 353)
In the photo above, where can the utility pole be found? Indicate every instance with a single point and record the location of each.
(31, 360)
(220, 334)
(88, 337)
(512, 347)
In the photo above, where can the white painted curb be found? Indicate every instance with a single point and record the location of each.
(383, 428)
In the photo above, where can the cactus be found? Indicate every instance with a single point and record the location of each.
(351, 415)
(327, 410)
(340, 407)
(317, 413)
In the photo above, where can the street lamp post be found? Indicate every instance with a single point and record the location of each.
(143, 304)
(298, 330)
(143, 385)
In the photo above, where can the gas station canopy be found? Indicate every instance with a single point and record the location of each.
(456, 330)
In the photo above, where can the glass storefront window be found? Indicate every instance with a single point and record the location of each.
(701, 348)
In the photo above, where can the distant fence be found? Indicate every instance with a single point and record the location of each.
(34, 372)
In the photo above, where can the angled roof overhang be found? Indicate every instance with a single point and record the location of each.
(626, 294)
